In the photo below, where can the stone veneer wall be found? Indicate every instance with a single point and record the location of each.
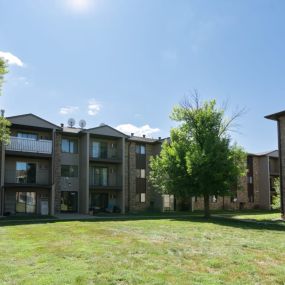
(282, 160)
(57, 171)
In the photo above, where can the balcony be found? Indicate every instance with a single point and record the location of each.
(108, 157)
(29, 145)
(109, 184)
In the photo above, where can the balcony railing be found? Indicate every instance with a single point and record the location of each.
(30, 145)
(106, 156)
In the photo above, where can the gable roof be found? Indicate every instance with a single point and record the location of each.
(32, 120)
(106, 130)
(275, 116)
(273, 153)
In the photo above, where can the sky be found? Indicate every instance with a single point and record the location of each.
(126, 63)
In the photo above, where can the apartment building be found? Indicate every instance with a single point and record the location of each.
(48, 169)
(257, 187)
(280, 119)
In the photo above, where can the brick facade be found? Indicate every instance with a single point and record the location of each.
(57, 171)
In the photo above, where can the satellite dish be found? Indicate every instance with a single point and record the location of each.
(71, 122)
(82, 124)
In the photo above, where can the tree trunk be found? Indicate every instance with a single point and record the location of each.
(207, 206)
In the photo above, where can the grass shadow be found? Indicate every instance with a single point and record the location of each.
(185, 217)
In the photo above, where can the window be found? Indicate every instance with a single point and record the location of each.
(25, 172)
(99, 149)
(99, 176)
(140, 149)
(26, 202)
(140, 173)
(69, 171)
(68, 145)
(214, 199)
(27, 135)
(140, 198)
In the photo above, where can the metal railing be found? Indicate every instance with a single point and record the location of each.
(30, 145)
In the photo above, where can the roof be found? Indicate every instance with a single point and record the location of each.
(71, 130)
(104, 129)
(275, 116)
(143, 139)
(32, 121)
(272, 153)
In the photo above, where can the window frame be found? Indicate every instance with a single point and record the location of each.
(140, 173)
(28, 178)
(140, 149)
(69, 148)
(26, 205)
(70, 169)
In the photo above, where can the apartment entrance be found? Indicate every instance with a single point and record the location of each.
(99, 200)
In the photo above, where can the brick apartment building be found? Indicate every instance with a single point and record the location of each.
(280, 118)
(256, 189)
(47, 169)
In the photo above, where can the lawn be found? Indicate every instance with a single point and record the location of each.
(143, 251)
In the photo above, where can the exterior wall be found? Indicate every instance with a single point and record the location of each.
(57, 172)
(281, 130)
(43, 169)
(261, 190)
(84, 174)
(222, 203)
(153, 200)
(264, 183)
(70, 183)
(10, 199)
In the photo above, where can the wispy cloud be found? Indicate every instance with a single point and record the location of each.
(68, 110)
(93, 107)
(79, 6)
(11, 58)
(138, 131)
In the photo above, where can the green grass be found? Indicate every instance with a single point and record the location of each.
(143, 251)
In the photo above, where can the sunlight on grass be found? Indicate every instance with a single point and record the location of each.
(171, 251)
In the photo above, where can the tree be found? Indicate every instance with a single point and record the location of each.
(276, 199)
(4, 123)
(199, 159)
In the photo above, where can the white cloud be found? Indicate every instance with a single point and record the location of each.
(11, 59)
(68, 110)
(80, 6)
(138, 131)
(93, 107)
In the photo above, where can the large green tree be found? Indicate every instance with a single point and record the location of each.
(199, 159)
(4, 124)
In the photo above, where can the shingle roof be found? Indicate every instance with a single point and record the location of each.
(144, 139)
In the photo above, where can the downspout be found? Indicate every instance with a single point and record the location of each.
(281, 170)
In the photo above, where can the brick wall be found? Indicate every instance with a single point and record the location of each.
(57, 172)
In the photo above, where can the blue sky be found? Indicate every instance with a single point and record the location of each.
(126, 63)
